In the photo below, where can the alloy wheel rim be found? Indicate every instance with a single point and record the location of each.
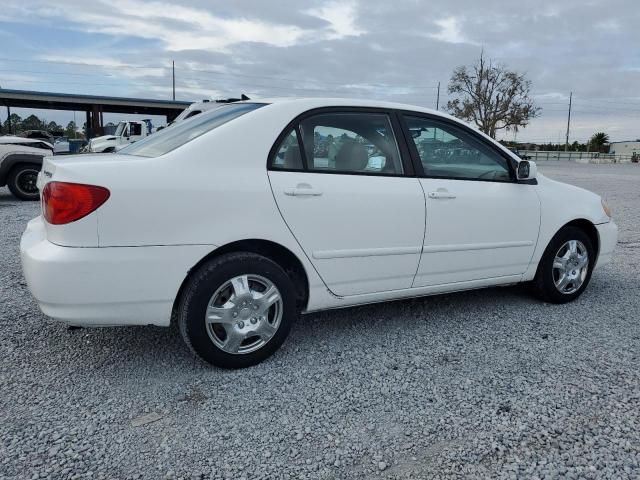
(26, 181)
(570, 267)
(243, 314)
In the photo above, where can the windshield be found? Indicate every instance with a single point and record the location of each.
(171, 138)
(120, 128)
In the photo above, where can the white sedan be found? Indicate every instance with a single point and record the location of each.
(233, 222)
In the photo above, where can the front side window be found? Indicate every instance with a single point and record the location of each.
(446, 151)
(350, 143)
(169, 139)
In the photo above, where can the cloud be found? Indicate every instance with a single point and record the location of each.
(341, 17)
(450, 31)
(396, 51)
(180, 28)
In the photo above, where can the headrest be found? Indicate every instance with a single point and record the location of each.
(352, 156)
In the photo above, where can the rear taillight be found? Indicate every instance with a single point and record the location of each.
(64, 202)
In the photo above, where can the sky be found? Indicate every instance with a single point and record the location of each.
(389, 50)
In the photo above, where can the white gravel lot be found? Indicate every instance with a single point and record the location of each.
(490, 383)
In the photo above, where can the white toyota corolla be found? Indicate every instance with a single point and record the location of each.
(233, 222)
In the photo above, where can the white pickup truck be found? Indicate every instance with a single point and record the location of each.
(126, 133)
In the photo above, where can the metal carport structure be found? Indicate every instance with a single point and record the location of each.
(93, 105)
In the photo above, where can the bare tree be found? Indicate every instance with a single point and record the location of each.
(492, 97)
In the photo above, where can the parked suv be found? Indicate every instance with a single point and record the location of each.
(20, 162)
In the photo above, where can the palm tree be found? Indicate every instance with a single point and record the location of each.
(598, 141)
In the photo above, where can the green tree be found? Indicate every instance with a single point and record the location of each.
(53, 127)
(598, 142)
(71, 129)
(15, 122)
(33, 123)
(492, 97)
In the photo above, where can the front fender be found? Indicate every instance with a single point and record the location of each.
(560, 204)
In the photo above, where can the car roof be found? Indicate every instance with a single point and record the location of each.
(317, 102)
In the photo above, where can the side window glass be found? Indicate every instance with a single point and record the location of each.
(136, 129)
(350, 143)
(288, 156)
(448, 152)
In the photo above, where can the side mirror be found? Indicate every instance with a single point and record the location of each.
(526, 170)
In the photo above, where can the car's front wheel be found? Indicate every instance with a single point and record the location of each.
(565, 268)
(237, 309)
(22, 181)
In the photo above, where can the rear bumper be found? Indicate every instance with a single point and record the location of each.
(608, 233)
(105, 286)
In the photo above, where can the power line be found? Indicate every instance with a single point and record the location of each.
(210, 72)
(79, 64)
(60, 73)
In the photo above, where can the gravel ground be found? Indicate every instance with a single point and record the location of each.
(490, 383)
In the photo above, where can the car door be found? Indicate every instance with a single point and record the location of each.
(481, 223)
(342, 187)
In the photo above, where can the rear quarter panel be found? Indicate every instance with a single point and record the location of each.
(213, 191)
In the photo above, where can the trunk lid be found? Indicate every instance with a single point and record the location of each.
(82, 169)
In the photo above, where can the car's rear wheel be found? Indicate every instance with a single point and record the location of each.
(565, 268)
(237, 309)
(22, 181)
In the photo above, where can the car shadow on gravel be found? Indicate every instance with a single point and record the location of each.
(126, 347)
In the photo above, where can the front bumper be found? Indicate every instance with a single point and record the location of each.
(105, 286)
(608, 233)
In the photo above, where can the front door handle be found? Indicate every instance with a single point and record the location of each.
(303, 190)
(441, 194)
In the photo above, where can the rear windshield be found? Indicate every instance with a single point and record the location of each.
(182, 132)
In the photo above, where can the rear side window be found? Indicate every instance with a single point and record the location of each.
(136, 129)
(183, 132)
(288, 156)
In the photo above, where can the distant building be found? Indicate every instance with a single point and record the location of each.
(625, 148)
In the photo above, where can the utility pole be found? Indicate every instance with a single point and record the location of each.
(438, 98)
(566, 143)
(173, 76)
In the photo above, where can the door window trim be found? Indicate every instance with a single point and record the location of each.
(396, 128)
(483, 142)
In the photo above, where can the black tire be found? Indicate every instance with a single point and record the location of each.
(206, 281)
(544, 282)
(21, 181)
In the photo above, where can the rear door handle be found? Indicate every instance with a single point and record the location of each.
(441, 194)
(302, 192)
